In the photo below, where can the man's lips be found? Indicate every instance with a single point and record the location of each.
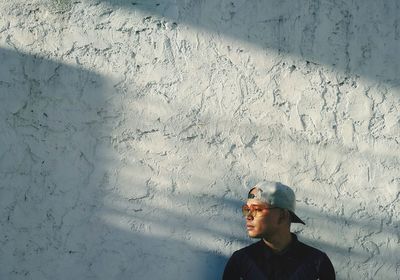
(249, 227)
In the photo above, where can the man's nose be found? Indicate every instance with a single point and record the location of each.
(249, 217)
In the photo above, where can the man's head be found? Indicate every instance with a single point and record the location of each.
(269, 209)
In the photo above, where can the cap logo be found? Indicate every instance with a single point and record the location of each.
(256, 195)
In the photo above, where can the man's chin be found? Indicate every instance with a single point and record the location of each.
(253, 234)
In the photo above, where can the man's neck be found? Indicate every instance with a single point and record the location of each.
(278, 243)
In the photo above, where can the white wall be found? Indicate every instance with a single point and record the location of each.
(131, 130)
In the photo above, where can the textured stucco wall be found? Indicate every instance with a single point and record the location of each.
(130, 131)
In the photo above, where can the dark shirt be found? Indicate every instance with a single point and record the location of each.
(297, 262)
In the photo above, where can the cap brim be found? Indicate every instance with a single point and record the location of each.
(296, 219)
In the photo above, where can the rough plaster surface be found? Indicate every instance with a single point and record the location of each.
(130, 131)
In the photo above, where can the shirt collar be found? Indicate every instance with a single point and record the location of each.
(288, 252)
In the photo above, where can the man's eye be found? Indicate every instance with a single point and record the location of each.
(258, 209)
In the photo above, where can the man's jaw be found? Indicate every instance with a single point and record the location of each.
(250, 230)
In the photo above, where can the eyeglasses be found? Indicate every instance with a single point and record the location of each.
(254, 210)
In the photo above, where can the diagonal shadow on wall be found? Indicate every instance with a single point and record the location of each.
(358, 37)
(54, 121)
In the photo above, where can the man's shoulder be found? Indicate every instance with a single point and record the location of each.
(308, 250)
(320, 259)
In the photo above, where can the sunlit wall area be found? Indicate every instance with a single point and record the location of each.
(130, 132)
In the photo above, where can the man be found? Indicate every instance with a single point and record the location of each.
(278, 255)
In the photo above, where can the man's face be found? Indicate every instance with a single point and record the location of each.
(263, 221)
